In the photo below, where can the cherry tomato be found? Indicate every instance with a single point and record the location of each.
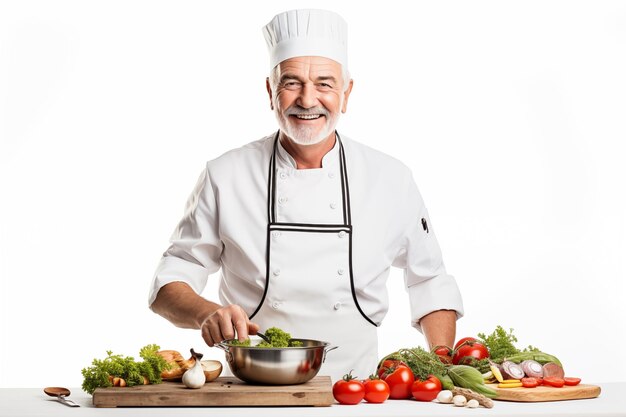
(470, 349)
(444, 353)
(571, 381)
(530, 382)
(376, 390)
(463, 340)
(400, 381)
(427, 389)
(554, 381)
(348, 390)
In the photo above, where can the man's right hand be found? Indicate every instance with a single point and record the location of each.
(227, 323)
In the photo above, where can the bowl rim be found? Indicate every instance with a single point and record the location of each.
(320, 344)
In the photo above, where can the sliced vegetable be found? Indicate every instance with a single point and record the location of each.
(571, 381)
(509, 384)
(554, 381)
(495, 369)
(532, 368)
(552, 369)
(530, 382)
(511, 370)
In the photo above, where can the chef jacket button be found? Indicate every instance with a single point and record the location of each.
(276, 272)
(337, 306)
(331, 175)
(275, 234)
(282, 200)
(333, 205)
(342, 234)
(340, 271)
(275, 305)
(282, 175)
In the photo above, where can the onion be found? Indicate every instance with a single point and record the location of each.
(532, 368)
(511, 370)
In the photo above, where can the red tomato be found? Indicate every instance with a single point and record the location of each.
(444, 353)
(554, 381)
(376, 390)
(427, 389)
(465, 339)
(530, 382)
(571, 381)
(400, 381)
(348, 390)
(388, 366)
(469, 348)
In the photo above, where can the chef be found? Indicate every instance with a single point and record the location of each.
(305, 223)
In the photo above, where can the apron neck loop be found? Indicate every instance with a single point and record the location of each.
(271, 183)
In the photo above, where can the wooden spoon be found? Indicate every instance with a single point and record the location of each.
(60, 393)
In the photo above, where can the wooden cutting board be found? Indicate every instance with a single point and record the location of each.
(543, 393)
(223, 392)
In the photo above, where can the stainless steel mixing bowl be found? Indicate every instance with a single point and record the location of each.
(276, 366)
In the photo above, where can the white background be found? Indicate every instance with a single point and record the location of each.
(510, 114)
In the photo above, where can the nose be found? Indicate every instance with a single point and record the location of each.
(307, 97)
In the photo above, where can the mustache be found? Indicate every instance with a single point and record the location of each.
(296, 110)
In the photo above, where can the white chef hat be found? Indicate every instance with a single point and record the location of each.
(307, 32)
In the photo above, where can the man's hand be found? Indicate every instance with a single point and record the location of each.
(226, 322)
(180, 304)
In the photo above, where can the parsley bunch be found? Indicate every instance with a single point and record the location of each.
(500, 343)
(99, 374)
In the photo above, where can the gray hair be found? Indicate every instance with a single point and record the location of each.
(274, 79)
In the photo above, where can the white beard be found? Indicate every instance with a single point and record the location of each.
(306, 135)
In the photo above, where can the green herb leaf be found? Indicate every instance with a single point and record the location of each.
(97, 375)
(500, 343)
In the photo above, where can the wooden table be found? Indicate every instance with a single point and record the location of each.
(32, 402)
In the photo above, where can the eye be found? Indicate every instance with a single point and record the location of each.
(291, 85)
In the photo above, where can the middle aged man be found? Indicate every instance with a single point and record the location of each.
(304, 223)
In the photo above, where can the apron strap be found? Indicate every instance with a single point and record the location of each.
(271, 184)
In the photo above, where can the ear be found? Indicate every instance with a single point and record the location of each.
(269, 92)
(346, 95)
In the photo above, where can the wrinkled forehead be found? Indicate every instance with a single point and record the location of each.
(309, 66)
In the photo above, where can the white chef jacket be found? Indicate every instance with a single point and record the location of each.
(225, 225)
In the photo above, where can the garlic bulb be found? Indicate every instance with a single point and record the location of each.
(472, 404)
(459, 400)
(194, 377)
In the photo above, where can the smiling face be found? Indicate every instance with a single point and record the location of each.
(307, 95)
